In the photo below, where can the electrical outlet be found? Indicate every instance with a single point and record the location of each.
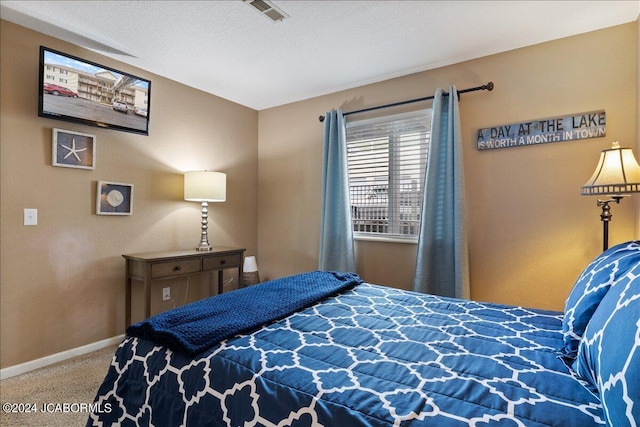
(166, 294)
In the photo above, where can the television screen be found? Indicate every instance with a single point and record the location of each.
(80, 91)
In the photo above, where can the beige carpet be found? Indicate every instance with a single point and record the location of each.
(59, 388)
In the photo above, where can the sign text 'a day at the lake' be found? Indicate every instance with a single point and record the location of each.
(555, 129)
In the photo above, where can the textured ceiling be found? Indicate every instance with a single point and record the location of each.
(229, 49)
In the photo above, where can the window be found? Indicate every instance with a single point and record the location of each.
(387, 157)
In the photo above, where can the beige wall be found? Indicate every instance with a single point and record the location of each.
(62, 281)
(530, 231)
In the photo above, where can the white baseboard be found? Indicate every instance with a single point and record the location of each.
(23, 368)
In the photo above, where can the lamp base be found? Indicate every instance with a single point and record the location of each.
(605, 217)
(204, 236)
(250, 278)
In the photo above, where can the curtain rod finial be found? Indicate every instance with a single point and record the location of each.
(321, 118)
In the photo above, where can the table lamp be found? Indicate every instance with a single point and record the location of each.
(205, 187)
(250, 275)
(617, 174)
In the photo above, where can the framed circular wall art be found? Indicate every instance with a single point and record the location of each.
(114, 198)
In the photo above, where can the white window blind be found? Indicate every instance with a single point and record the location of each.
(387, 157)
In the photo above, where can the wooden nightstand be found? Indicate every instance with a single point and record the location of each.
(147, 267)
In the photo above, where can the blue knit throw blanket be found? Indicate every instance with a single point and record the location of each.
(195, 327)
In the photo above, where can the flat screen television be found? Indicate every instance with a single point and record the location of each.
(80, 91)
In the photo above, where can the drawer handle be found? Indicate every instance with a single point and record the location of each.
(223, 262)
(178, 268)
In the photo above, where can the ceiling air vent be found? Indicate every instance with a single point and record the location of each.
(268, 9)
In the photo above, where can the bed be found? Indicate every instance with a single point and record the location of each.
(326, 349)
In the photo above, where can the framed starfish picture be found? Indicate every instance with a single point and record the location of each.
(73, 149)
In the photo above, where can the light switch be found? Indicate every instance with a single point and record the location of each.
(31, 217)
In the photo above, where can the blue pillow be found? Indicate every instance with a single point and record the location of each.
(590, 288)
(609, 353)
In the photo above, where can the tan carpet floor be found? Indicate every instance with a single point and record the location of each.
(74, 381)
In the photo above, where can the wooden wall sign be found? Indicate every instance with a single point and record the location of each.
(542, 131)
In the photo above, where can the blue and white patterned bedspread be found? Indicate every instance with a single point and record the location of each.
(371, 356)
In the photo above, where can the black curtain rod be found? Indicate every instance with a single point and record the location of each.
(488, 86)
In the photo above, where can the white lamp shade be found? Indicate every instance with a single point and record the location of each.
(617, 172)
(205, 186)
(250, 264)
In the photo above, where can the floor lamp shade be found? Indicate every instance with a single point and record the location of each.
(617, 174)
(205, 187)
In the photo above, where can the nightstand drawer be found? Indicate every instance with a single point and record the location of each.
(221, 261)
(174, 268)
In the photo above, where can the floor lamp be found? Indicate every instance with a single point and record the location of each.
(616, 176)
